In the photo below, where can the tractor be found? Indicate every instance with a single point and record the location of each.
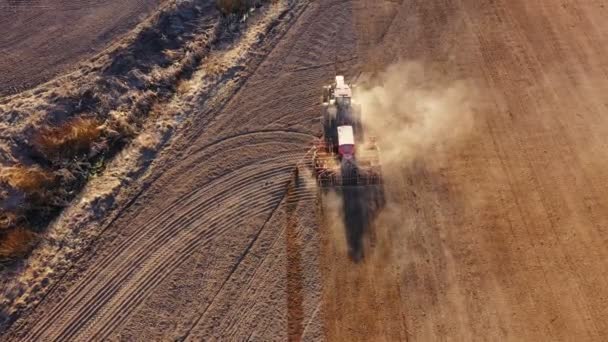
(344, 155)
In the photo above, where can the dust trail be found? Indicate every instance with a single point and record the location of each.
(414, 111)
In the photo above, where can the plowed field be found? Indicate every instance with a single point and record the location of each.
(44, 38)
(503, 237)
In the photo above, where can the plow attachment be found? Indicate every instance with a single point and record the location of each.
(330, 172)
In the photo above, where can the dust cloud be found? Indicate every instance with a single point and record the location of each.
(413, 110)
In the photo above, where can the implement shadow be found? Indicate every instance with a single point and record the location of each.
(360, 207)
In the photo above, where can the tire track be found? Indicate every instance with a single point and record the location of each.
(302, 190)
(286, 196)
(132, 300)
(218, 218)
(131, 265)
(115, 255)
(164, 217)
(94, 275)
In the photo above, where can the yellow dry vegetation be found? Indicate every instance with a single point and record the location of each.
(26, 179)
(71, 137)
(16, 243)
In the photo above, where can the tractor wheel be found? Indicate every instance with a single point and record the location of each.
(331, 137)
(325, 117)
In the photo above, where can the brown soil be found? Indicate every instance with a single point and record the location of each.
(503, 238)
(43, 38)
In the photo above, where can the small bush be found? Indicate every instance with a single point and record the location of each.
(120, 126)
(72, 137)
(16, 243)
(26, 179)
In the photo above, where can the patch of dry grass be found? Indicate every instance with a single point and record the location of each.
(214, 67)
(26, 179)
(16, 243)
(72, 137)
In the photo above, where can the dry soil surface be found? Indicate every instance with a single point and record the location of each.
(503, 238)
(43, 38)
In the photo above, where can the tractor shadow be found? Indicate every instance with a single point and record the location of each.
(361, 206)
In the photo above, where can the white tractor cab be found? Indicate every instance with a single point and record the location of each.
(338, 94)
(346, 142)
(342, 90)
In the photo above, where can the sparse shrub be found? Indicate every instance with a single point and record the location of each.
(119, 126)
(26, 179)
(16, 243)
(72, 137)
(148, 142)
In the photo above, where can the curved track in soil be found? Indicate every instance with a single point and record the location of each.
(42, 39)
(503, 239)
